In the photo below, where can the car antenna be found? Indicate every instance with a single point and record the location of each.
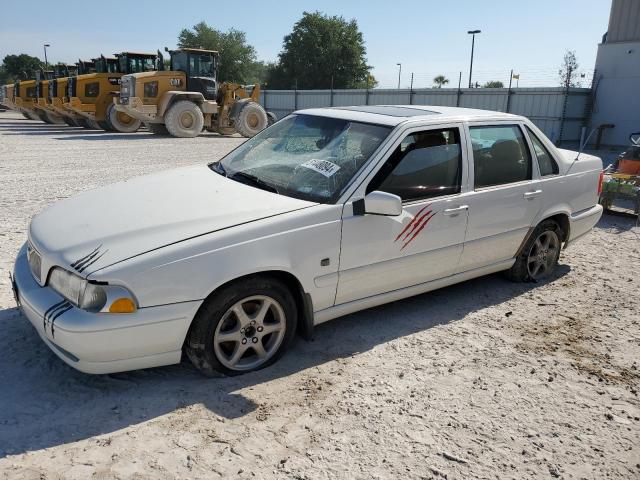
(582, 145)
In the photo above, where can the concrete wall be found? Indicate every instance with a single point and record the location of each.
(559, 113)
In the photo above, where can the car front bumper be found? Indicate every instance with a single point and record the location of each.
(102, 342)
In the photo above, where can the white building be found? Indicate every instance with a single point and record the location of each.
(617, 81)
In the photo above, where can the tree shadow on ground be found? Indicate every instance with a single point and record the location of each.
(45, 403)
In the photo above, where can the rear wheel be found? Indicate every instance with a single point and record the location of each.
(158, 128)
(251, 120)
(121, 122)
(243, 327)
(540, 254)
(184, 119)
(43, 116)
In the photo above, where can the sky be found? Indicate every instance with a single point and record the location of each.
(427, 37)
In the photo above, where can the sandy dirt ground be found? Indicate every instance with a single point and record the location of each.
(486, 379)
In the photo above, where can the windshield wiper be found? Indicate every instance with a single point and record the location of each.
(254, 180)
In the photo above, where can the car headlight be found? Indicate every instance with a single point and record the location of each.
(89, 296)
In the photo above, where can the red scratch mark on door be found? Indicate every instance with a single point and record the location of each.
(413, 221)
(418, 230)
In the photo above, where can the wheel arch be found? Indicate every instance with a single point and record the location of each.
(304, 302)
(561, 218)
(169, 98)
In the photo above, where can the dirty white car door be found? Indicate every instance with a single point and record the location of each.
(426, 169)
(507, 194)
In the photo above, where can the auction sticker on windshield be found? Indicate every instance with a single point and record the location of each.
(324, 167)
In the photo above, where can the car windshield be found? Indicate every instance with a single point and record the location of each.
(304, 156)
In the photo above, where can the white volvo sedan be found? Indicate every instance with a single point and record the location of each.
(327, 212)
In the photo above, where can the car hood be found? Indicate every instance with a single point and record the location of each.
(97, 228)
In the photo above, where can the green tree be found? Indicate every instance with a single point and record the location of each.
(318, 49)
(568, 73)
(238, 62)
(440, 80)
(15, 67)
(493, 84)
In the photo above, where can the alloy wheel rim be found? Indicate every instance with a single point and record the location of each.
(249, 333)
(542, 255)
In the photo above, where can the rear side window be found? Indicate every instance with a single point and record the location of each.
(547, 164)
(500, 155)
(426, 164)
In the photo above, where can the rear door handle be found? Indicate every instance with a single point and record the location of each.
(455, 211)
(532, 194)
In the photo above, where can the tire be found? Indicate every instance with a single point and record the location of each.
(106, 126)
(121, 122)
(271, 118)
(213, 355)
(536, 262)
(26, 116)
(184, 119)
(158, 129)
(251, 119)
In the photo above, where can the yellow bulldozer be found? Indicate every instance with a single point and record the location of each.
(90, 95)
(187, 98)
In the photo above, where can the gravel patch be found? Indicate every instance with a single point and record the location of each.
(486, 379)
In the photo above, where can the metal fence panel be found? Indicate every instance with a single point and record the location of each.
(554, 110)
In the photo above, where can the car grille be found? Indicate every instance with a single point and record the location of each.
(35, 262)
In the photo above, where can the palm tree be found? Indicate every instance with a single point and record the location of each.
(440, 80)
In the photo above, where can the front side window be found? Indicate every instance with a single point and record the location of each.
(92, 89)
(426, 164)
(547, 164)
(500, 155)
(151, 89)
(304, 156)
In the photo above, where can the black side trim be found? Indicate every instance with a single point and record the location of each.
(358, 207)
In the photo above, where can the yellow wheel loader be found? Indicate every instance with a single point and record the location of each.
(25, 98)
(91, 95)
(42, 106)
(7, 97)
(57, 92)
(187, 99)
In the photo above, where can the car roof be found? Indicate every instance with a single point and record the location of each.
(393, 115)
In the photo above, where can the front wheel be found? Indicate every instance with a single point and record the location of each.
(244, 327)
(251, 120)
(184, 119)
(540, 254)
(120, 121)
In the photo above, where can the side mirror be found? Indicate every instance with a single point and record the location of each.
(378, 203)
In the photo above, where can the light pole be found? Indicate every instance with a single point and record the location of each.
(399, 73)
(46, 63)
(473, 41)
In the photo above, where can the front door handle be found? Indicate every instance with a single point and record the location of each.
(450, 212)
(532, 194)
